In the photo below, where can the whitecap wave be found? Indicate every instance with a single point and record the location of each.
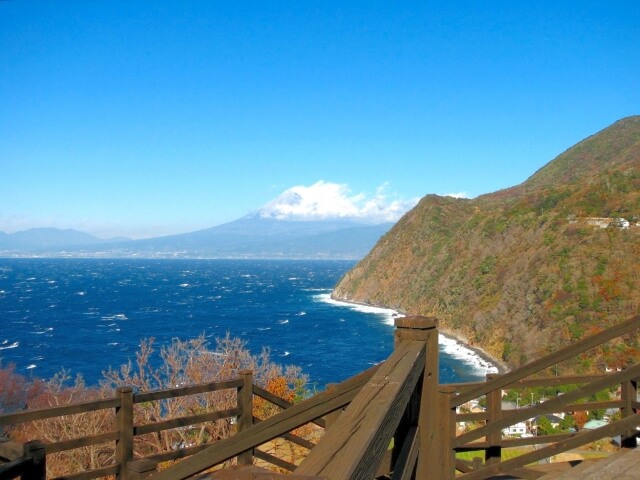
(29, 367)
(448, 345)
(457, 350)
(387, 314)
(117, 316)
(6, 347)
(283, 322)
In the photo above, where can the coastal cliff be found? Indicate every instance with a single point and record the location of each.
(525, 270)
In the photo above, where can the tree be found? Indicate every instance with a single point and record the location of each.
(178, 364)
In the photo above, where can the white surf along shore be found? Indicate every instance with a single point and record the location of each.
(453, 347)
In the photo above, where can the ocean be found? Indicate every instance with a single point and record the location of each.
(85, 315)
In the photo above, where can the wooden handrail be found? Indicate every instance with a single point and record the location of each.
(355, 445)
(294, 417)
(399, 399)
(185, 421)
(280, 402)
(550, 405)
(123, 436)
(576, 440)
(548, 361)
(188, 390)
(58, 411)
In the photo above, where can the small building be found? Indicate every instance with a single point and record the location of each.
(598, 222)
(517, 429)
(620, 223)
(554, 421)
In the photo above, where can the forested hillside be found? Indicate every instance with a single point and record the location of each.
(524, 270)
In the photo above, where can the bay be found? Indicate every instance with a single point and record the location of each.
(85, 315)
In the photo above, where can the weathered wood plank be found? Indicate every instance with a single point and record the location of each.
(355, 445)
(36, 468)
(124, 426)
(550, 360)
(428, 422)
(516, 442)
(49, 412)
(493, 454)
(185, 421)
(88, 475)
(183, 391)
(280, 402)
(471, 417)
(554, 381)
(292, 438)
(407, 460)
(278, 462)
(577, 440)
(81, 442)
(245, 412)
(549, 406)
(301, 413)
(176, 454)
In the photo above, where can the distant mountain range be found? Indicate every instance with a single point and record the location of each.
(525, 270)
(252, 236)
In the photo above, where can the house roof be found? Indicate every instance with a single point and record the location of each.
(593, 424)
(550, 417)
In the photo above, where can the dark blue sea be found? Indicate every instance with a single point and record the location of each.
(85, 315)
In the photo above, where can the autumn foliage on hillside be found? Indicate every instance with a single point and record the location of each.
(181, 363)
(523, 271)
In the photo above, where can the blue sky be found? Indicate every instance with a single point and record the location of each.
(155, 117)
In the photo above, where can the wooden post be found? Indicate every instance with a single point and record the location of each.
(493, 454)
(124, 426)
(422, 410)
(629, 395)
(245, 404)
(37, 468)
(441, 454)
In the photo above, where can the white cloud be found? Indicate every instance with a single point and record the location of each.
(457, 195)
(326, 200)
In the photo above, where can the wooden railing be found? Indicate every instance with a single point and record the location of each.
(28, 461)
(393, 419)
(489, 437)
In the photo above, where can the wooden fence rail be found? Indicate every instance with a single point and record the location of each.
(125, 430)
(495, 419)
(393, 419)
